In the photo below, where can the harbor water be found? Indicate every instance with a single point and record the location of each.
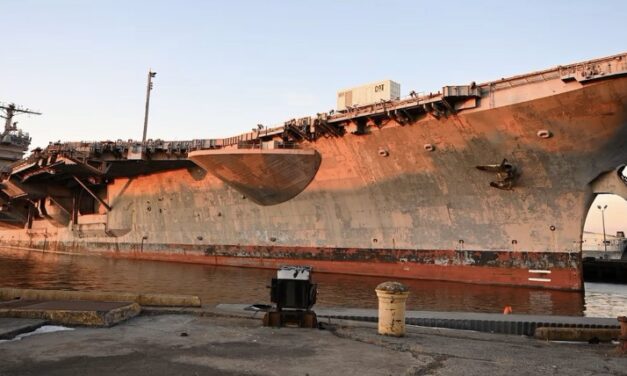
(32, 269)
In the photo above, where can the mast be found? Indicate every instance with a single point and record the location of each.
(11, 110)
(151, 74)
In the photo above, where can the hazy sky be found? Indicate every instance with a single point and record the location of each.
(225, 66)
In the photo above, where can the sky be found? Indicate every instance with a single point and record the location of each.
(225, 66)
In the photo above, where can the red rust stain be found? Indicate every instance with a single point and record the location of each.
(479, 267)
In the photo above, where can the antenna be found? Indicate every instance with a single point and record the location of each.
(11, 110)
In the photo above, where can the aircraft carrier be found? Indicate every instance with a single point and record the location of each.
(483, 183)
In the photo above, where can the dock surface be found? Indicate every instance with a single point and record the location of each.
(188, 345)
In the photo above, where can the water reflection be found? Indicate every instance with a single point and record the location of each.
(605, 300)
(239, 285)
(352, 291)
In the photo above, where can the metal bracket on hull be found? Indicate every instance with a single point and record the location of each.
(92, 194)
(506, 174)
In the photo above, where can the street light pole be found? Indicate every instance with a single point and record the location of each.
(602, 209)
(151, 75)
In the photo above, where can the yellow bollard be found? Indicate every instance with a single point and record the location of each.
(392, 297)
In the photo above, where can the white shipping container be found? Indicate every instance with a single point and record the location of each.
(368, 94)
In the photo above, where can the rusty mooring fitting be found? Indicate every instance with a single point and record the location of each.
(544, 133)
(622, 346)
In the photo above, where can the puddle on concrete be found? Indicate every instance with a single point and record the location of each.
(41, 330)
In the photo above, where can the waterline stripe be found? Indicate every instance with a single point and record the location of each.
(540, 279)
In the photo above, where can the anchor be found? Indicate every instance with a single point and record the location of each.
(506, 174)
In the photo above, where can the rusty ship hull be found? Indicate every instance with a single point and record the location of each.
(486, 183)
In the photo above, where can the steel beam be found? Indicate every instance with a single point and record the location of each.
(100, 200)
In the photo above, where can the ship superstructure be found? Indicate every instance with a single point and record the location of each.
(13, 141)
(484, 183)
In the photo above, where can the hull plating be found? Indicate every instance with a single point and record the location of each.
(410, 212)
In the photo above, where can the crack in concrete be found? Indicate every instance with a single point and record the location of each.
(413, 370)
(426, 368)
(438, 362)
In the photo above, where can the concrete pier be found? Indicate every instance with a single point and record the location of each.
(229, 339)
(188, 345)
(67, 312)
(144, 299)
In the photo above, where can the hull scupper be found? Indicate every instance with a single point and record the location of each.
(485, 183)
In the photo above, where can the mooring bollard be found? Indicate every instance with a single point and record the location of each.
(392, 297)
(622, 347)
